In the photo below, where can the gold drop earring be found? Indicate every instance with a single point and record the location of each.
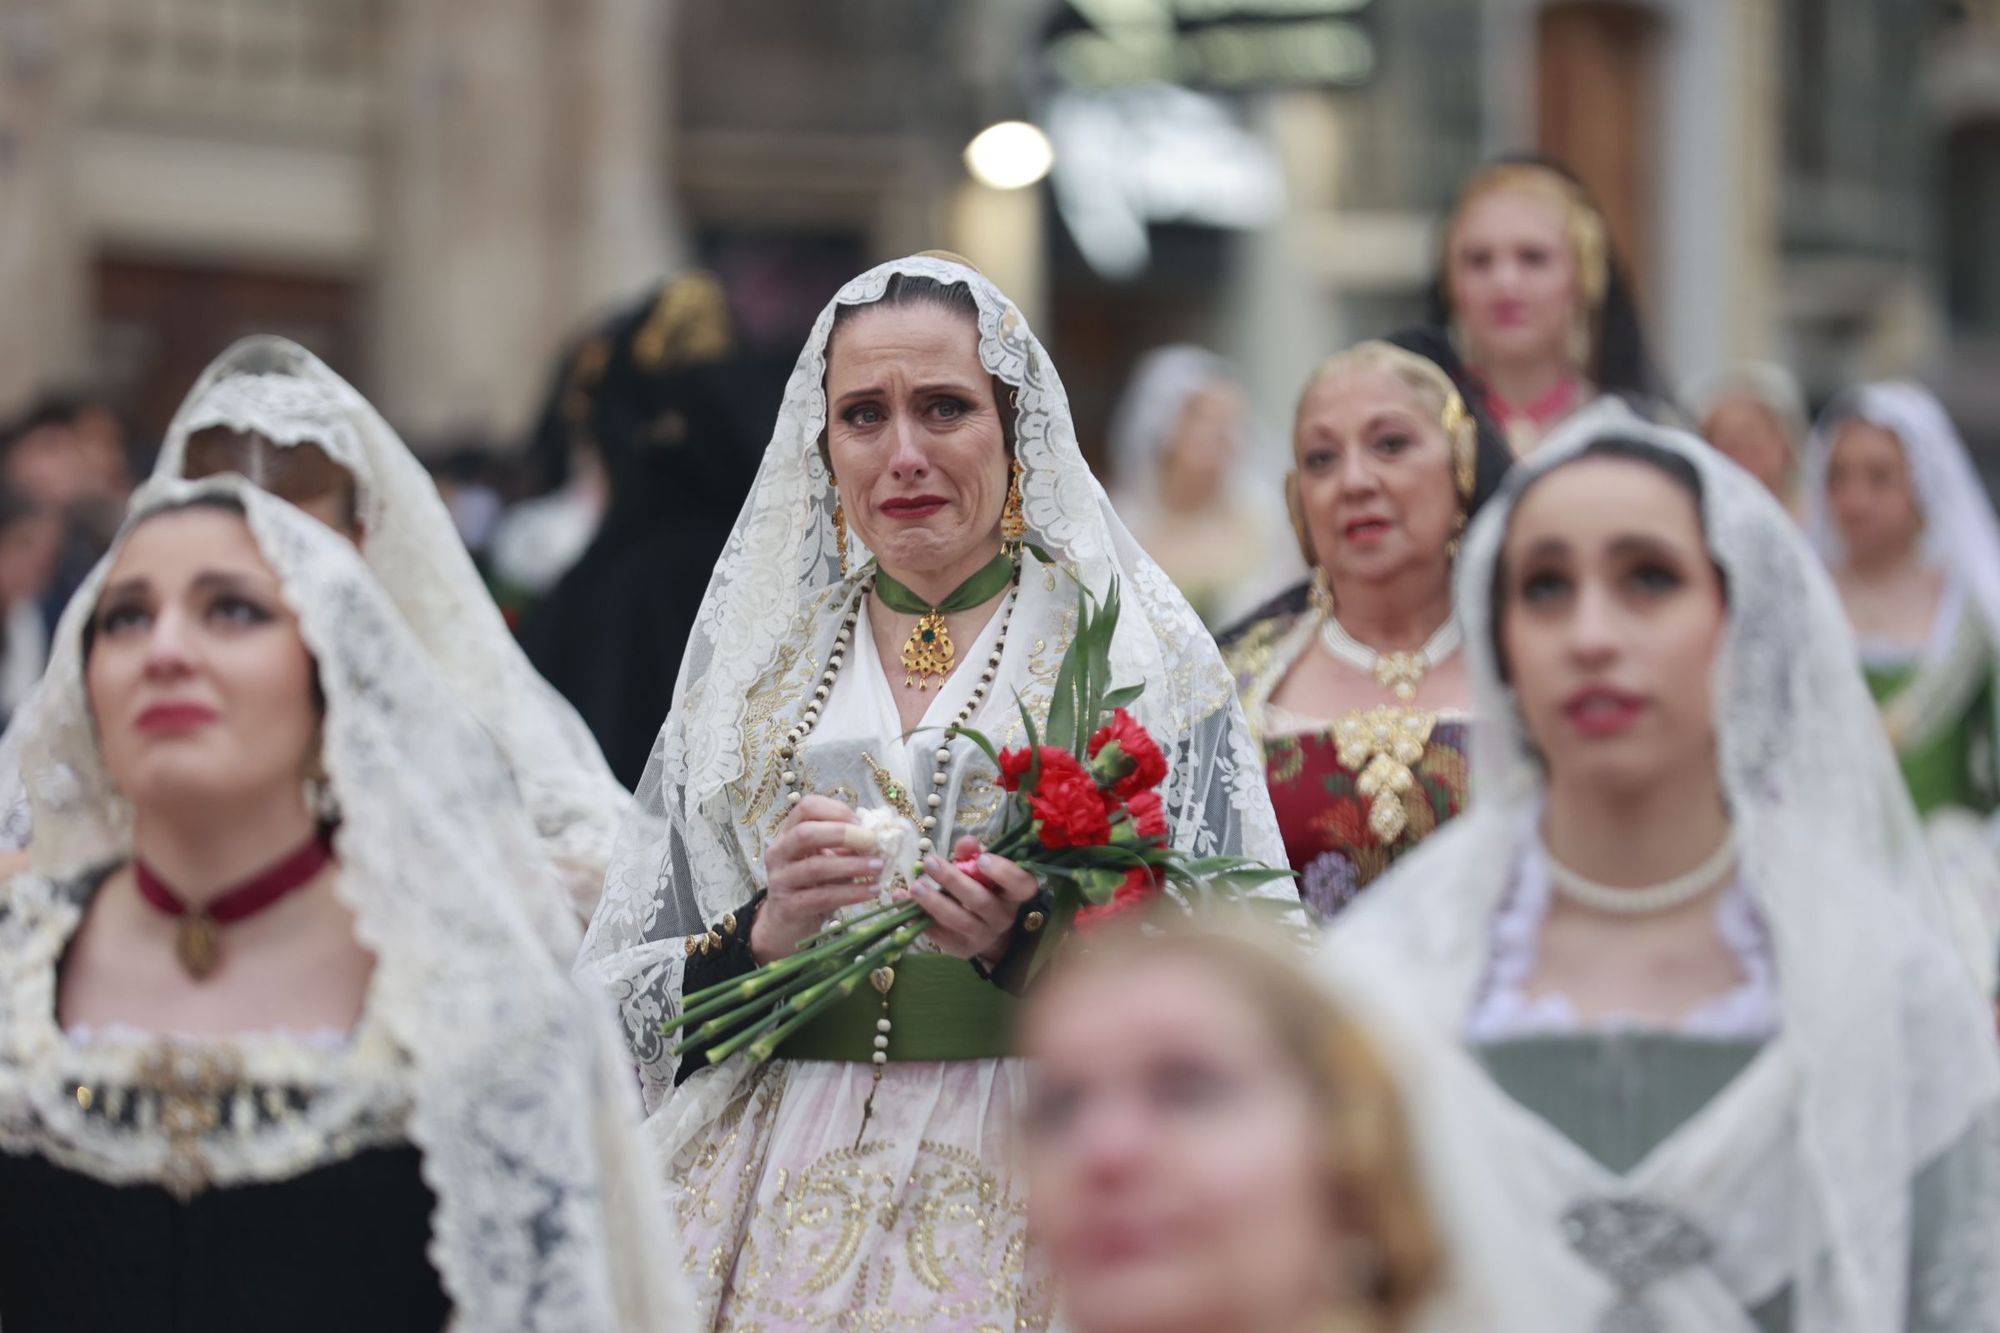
(840, 533)
(1013, 523)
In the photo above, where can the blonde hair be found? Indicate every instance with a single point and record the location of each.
(1369, 1157)
(1433, 388)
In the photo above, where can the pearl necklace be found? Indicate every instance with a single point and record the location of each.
(1400, 672)
(795, 738)
(1649, 901)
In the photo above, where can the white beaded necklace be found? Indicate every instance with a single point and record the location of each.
(795, 737)
(1648, 901)
(1399, 672)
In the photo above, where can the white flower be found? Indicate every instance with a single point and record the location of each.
(896, 844)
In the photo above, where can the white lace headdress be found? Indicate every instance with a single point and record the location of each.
(1961, 532)
(773, 605)
(281, 391)
(1893, 1046)
(522, 1105)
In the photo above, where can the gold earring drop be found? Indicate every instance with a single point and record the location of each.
(1321, 595)
(840, 534)
(1013, 523)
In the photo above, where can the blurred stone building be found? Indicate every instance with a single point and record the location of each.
(435, 192)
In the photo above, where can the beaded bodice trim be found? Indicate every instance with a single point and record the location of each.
(182, 1112)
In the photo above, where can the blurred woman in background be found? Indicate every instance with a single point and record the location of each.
(1184, 479)
(1756, 415)
(271, 411)
(1902, 518)
(1353, 681)
(1535, 299)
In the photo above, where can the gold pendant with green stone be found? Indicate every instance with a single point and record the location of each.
(928, 652)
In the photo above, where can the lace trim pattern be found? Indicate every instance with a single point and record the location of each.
(183, 1113)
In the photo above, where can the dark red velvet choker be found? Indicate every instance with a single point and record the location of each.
(198, 945)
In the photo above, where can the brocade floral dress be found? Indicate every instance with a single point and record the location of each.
(1343, 826)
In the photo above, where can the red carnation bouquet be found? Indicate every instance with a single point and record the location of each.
(1084, 817)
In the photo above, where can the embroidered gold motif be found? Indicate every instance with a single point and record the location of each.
(190, 1086)
(1383, 745)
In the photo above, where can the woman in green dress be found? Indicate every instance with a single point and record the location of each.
(1902, 519)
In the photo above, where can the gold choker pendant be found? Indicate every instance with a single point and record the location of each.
(928, 652)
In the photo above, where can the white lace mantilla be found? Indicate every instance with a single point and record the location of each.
(1888, 1048)
(507, 1079)
(711, 795)
(277, 389)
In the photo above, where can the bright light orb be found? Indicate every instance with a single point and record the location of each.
(1011, 155)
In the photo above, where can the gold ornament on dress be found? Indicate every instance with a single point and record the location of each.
(1384, 745)
(188, 1087)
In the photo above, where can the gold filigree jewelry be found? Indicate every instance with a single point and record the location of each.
(1400, 672)
(1321, 593)
(840, 534)
(929, 652)
(1013, 523)
(187, 1088)
(1463, 438)
(892, 791)
(791, 759)
(1383, 745)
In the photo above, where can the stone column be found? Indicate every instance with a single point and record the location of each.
(44, 274)
(623, 231)
(468, 250)
(525, 189)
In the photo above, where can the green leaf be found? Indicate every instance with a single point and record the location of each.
(1122, 698)
(1034, 773)
(1097, 885)
(986, 746)
(1062, 702)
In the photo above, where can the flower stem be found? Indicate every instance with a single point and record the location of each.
(876, 925)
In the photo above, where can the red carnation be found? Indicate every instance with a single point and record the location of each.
(1149, 816)
(1014, 764)
(1134, 895)
(1136, 764)
(1068, 806)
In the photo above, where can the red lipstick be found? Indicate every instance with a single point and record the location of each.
(1601, 711)
(171, 718)
(913, 506)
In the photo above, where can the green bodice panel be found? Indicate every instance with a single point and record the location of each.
(1941, 770)
(1619, 1095)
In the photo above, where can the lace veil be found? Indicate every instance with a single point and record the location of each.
(1894, 1046)
(282, 392)
(693, 850)
(546, 1216)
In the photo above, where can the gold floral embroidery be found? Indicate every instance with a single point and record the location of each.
(979, 799)
(963, 1239)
